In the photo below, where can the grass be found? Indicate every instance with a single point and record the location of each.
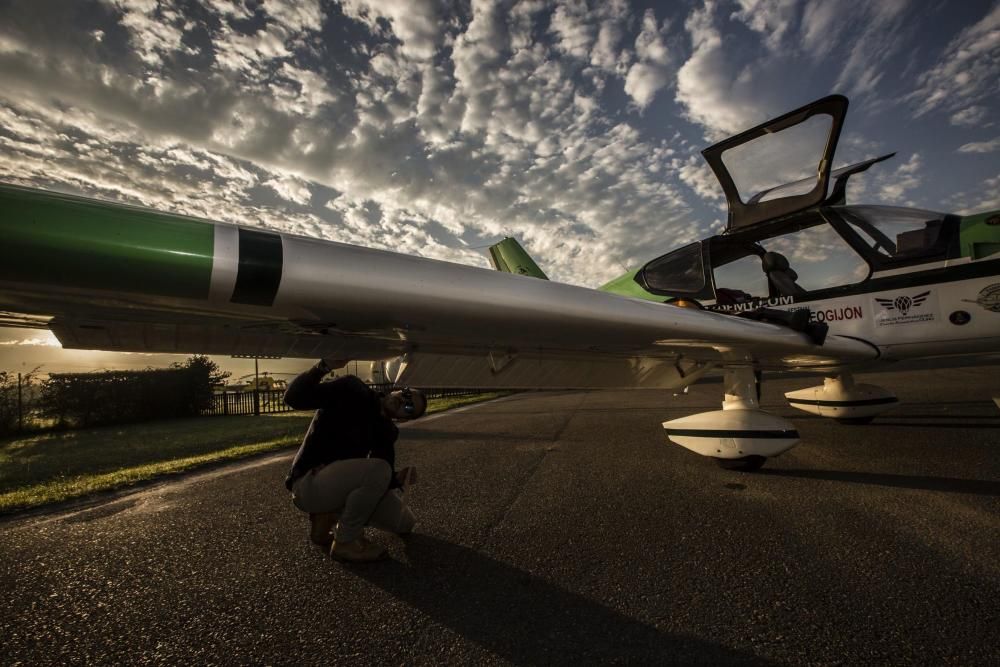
(57, 466)
(450, 402)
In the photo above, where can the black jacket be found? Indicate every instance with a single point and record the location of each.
(348, 423)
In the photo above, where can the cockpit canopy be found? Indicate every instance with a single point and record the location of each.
(819, 250)
(780, 167)
(789, 233)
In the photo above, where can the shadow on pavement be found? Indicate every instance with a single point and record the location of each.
(944, 416)
(890, 419)
(948, 425)
(974, 486)
(524, 618)
(432, 434)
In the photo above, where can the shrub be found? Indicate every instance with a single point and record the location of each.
(114, 397)
(11, 406)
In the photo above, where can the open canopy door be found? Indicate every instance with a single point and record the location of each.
(758, 168)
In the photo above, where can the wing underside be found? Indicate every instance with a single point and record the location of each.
(220, 289)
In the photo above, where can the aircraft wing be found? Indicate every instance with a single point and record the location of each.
(112, 277)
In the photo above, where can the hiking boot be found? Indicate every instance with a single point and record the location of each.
(321, 527)
(357, 551)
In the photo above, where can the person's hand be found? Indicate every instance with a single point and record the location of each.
(332, 364)
(406, 477)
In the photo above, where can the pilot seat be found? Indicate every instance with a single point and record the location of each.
(780, 275)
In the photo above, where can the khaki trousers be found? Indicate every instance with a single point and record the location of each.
(357, 490)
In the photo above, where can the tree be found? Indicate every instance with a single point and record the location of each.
(201, 364)
(202, 374)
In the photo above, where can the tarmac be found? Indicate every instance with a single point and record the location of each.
(555, 528)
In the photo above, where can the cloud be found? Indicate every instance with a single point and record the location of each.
(423, 133)
(966, 71)
(411, 126)
(770, 18)
(157, 33)
(36, 339)
(696, 174)
(588, 31)
(970, 116)
(714, 93)
(575, 33)
(826, 25)
(881, 33)
(986, 197)
(417, 23)
(291, 189)
(654, 67)
(981, 146)
(605, 54)
(797, 51)
(820, 27)
(894, 187)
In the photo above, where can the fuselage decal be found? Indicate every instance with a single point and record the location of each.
(988, 298)
(259, 273)
(753, 304)
(836, 314)
(225, 263)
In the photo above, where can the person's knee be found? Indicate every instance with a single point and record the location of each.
(379, 473)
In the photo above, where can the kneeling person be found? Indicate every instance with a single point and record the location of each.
(346, 465)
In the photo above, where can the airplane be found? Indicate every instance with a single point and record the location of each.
(897, 284)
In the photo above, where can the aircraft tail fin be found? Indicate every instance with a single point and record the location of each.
(508, 256)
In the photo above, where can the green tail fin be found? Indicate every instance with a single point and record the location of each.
(508, 256)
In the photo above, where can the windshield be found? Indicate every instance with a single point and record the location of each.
(680, 271)
(898, 233)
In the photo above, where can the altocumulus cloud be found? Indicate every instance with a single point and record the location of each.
(435, 128)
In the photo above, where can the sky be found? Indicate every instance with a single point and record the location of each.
(437, 128)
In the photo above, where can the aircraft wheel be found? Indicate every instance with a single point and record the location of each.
(744, 464)
(856, 420)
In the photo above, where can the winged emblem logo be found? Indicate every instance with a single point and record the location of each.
(903, 303)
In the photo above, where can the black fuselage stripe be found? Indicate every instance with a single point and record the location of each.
(725, 433)
(910, 280)
(258, 274)
(845, 404)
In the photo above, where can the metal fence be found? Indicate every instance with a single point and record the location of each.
(386, 387)
(270, 401)
(265, 401)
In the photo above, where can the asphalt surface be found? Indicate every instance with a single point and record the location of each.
(555, 528)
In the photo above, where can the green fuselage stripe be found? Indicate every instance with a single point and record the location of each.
(73, 242)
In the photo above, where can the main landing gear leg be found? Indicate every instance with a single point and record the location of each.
(740, 436)
(840, 398)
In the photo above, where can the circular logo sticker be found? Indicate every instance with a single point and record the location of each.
(960, 317)
(989, 298)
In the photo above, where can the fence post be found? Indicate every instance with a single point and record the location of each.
(256, 389)
(20, 406)
(225, 402)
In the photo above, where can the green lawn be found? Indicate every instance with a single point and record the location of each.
(51, 467)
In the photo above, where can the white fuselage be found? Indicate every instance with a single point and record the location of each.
(951, 318)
